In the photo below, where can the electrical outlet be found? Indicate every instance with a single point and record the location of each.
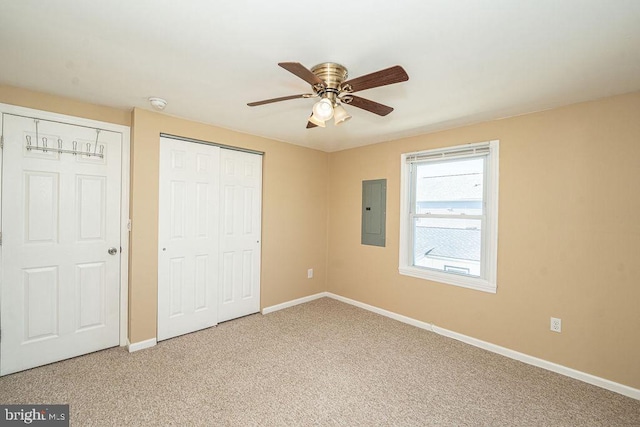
(556, 324)
(310, 273)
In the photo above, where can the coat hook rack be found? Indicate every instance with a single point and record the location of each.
(98, 149)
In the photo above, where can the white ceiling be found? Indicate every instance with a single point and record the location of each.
(467, 60)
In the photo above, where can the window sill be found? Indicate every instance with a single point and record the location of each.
(449, 279)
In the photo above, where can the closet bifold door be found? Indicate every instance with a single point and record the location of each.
(209, 235)
(188, 237)
(240, 233)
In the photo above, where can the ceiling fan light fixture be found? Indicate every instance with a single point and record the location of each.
(313, 119)
(340, 115)
(323, 109)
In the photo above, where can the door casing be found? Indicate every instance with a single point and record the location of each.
(124, 193)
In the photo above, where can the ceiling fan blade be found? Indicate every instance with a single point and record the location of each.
(303, 72)
(388, 76)
(282, 98)
(372, 106)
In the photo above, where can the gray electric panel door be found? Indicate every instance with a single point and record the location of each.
(374, 212)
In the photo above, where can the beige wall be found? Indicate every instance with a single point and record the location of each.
(294, 213)
(569, 238)
(61, 105)
(294, 228)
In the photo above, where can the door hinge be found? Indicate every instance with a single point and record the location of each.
(1, 142)
(0, 238)
(129, 225)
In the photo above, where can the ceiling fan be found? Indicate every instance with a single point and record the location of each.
(329, 83)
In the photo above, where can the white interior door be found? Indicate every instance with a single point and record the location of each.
(241, 210)
(188, 237)
(61, 215)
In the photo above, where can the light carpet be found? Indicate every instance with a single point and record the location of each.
(324, 363)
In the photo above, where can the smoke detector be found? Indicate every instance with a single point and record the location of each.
(158, 103)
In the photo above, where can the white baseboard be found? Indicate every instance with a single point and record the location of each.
(531, 360)
(383, 312)
(141, 345)
(291, 303)
(541, 363)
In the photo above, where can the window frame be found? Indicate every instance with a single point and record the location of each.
(487, 281)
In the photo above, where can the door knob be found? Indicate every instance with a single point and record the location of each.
(112, 251)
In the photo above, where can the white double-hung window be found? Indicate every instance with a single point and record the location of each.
(449, 215)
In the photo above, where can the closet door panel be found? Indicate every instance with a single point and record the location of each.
(188, 237)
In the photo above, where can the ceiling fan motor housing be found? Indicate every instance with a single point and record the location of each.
(333, 75)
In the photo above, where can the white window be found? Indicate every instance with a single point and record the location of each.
(449, 215)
